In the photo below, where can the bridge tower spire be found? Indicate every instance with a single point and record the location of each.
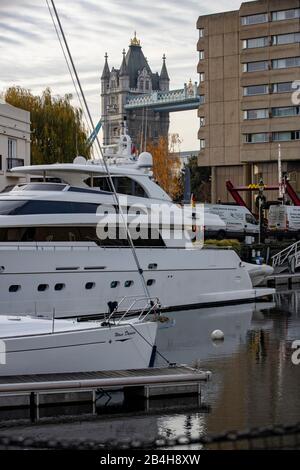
(164, 79)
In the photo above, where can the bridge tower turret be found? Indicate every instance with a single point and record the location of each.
(164, 79)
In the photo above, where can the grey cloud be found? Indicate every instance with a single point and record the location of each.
(32, 56)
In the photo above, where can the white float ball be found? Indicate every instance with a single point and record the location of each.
(217, 335)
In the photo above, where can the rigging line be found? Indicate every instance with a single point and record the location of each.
(69, 68)
(150, 344)
(140, 270)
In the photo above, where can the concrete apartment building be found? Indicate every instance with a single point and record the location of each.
(249, 61)
(14, 142)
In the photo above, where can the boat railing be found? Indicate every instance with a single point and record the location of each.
(130, 305)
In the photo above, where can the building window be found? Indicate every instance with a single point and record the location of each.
(256, 66)
(256, 90)
(286, 136)
(201, 33)
(147, 85)
(202, 121)
(202, 99)
(286, 111)
(285, 87)
(12, 148)
(256, 42)
(286, 63)
(201, 55)
(286, 14)
(256, 113)
(254, 19)
(202, 144)
(257, 138)
(285, 39)
(202, 77)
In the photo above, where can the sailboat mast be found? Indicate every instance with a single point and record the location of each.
(130, 241)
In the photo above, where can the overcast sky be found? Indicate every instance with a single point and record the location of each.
(31, 56)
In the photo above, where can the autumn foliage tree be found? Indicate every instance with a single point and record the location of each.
(58, 133)
(166, 168)
(200, 180)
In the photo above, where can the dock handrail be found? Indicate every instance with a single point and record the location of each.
(283, 256)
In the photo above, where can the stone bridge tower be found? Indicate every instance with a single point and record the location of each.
(134, 77)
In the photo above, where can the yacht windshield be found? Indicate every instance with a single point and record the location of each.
(41, 187)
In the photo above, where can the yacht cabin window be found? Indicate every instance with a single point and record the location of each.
(123, 185)
(80, 233)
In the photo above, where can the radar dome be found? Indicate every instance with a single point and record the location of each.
(79, 160)
(145, 160)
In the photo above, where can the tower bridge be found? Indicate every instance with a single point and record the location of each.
(143, 96)
(167, 101)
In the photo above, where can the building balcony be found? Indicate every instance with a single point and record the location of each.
(14, 162)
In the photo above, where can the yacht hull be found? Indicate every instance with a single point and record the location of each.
(76, 280)
(97, 348)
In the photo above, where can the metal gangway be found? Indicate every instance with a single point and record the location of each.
(287, 259)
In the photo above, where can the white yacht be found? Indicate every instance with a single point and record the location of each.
(51, 254)
(41, 346)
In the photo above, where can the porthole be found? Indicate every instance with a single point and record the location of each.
(150, 282)
(43, 287)
(152, 266)
(59, 286)
(114, 284)
(128, 283)
(90, 285)
(14, 288)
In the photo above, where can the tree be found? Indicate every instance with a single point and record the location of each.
(200, 180)
(58, 133)
(166, 168)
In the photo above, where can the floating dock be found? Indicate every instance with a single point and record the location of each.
(283, 279)
(37, 390)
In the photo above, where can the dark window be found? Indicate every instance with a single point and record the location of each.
(122, 184)
(90, 285)
(152, 266)
(128, 283)
(256, 66)
(41, 187)
(150, 282)
(43, 287)
(285, 87)
(79, 234)
(46, 207)
(59, 287)
(256, 90)
(114, 284)
(14, 288)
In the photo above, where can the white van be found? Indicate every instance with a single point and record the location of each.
(238, 219)
(284, 218)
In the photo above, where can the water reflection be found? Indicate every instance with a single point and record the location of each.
(254, 382)
(186, 338)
